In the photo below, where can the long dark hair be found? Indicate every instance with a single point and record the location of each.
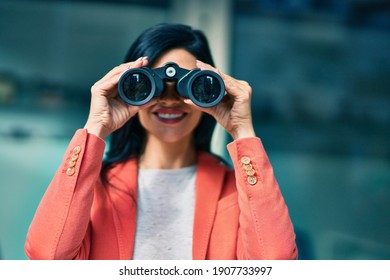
(128, 141)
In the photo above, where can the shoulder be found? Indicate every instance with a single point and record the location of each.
(213, 161)
(216, 167)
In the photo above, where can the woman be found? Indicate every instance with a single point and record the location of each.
(160, 194)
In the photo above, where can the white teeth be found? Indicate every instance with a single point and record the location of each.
(169, 116)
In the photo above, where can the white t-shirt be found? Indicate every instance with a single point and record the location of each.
(165, 214)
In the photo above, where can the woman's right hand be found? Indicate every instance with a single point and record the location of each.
(108, 112)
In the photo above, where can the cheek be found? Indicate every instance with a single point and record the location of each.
(196, 118)
(194, 122)
(143, 118)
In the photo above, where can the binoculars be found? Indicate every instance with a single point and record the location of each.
(138, 86)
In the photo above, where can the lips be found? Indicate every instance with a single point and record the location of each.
(169, 116)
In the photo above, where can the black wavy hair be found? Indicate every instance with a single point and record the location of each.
(129, 140)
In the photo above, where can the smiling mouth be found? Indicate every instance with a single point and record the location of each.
(170, 118)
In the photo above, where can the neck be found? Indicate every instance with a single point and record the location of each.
(161, 155)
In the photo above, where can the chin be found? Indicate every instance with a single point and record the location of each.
(173, 138)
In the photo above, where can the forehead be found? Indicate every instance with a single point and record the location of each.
(180, 56)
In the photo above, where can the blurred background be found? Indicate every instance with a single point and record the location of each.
(320, 73)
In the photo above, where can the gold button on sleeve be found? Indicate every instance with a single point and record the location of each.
(252, 180)
(71, 163)
(250, 172)
(245, 160)
(74, 157)
(70, 171)
(247, 166)
(76, 150)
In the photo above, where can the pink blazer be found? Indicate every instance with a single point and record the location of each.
(237, 216)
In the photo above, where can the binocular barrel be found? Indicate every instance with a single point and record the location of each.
(138, 86)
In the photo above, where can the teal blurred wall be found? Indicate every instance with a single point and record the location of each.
(321, 102)
(26, 167)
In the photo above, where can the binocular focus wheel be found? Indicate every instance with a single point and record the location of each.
(170, 72)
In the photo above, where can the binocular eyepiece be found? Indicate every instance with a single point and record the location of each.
(138, 86)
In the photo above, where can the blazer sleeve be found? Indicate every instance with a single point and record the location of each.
(60, 227)
(265, 227)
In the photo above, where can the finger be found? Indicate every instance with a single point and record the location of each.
(120, 69)
(232, 85)
(140, 62)
(204, 66)
(110, 81)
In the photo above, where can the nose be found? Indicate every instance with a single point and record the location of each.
(170, 95)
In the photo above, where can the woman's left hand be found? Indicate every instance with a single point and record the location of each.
(233, 113)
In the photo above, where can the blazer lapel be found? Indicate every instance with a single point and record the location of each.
(124, 199)
(209, 182)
